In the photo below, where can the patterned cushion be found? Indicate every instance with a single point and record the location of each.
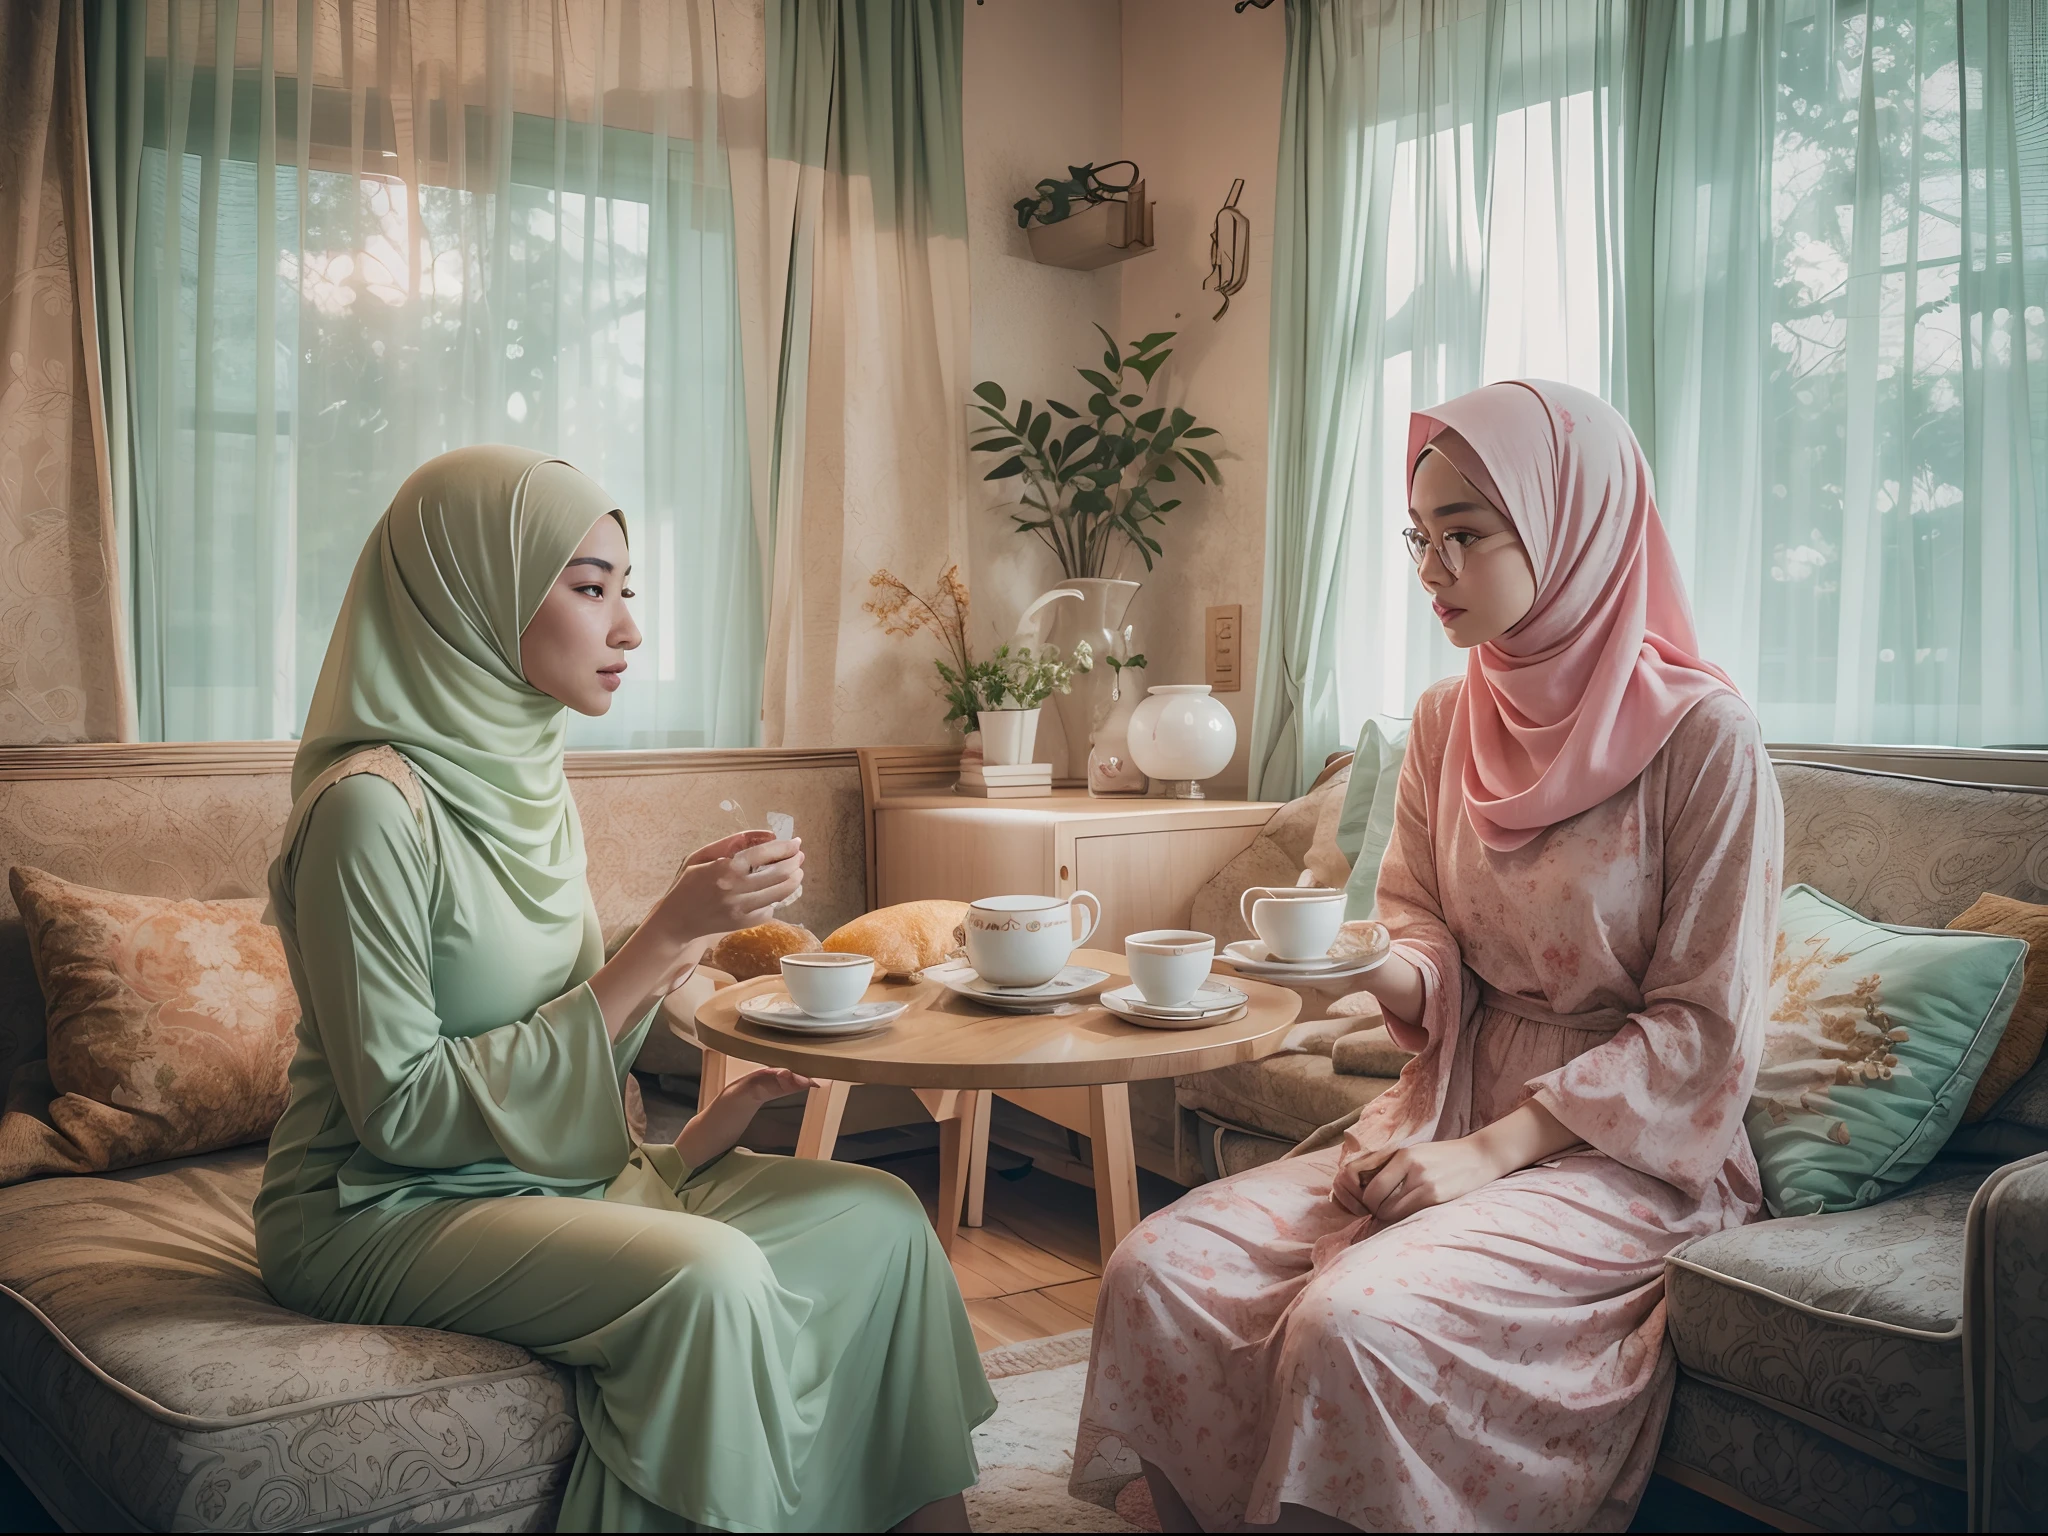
(170, 1028)
(2020, 1046)
(1851, 1322)
(151, 1380)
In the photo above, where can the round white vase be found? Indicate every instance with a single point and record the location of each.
(1182, 735)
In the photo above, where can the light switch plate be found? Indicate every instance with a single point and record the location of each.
(1224, 647)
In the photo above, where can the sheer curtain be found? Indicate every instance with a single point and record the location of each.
(1851, 388)
(867, 246)
(340, 239)
(1450, 198)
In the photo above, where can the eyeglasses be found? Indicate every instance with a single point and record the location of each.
(1453, 549)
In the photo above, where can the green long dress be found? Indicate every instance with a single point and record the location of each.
(763, 1344)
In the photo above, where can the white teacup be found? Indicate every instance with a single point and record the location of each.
(1295, 923)
(827, 986)
(1024, 941)
(1169, 965)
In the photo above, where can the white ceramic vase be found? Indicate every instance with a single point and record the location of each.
(1182, 735)
(1097, 618)
(1110, 768)
(1007, 736)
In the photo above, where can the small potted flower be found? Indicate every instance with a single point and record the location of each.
(1019, 682)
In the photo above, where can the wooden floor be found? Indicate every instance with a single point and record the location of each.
(1032, 1268)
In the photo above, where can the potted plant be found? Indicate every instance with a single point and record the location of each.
(1093, 491)
(1017, 683)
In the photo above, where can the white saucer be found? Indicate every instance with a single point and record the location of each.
(958, 977)
(1253, 958)
(1216, 1002)
(779, 1011)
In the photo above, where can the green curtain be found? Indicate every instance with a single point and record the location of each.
(1847, 275)
(1449, 212)
(337, 241)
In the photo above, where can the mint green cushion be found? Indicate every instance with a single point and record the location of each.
(1366, 823)
(1877, 1034)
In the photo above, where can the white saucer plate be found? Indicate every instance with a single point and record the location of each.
(780, 1012)
(960, 978)
(1216, 1003)
(1252, 958)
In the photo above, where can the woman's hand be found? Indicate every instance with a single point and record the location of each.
(714, 1130)
(1390, 1183)
(735, 882)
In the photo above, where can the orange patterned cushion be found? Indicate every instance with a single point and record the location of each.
(2020, 1046)
(170, 1029)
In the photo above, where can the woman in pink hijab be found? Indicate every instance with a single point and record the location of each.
(1454, 1318)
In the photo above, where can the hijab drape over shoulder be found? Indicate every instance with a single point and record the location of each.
(425, 658)
(1570, 705)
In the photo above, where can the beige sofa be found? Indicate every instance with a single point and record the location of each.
(1882, 1369)
(147, 1378)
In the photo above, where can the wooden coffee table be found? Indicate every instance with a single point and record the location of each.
(953, 1053)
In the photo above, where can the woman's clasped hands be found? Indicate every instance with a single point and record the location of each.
(1388, 1183)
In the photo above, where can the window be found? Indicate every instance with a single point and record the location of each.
(348, 252)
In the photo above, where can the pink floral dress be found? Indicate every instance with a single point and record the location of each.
(1497, 1362)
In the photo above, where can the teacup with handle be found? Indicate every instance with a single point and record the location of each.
(1024, 941)
(1296, 923)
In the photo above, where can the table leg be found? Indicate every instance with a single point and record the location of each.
(712, 1078)
(822, 1111)
(1116, 1163)
(956, 1161)
(977, 1159)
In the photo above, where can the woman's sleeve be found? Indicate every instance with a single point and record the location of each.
(1667, 1094)
(541, 1092)
(1407, 898)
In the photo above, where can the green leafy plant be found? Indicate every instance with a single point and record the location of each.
(1055, 199)
(1129, 661)
(1026, 678)
(1091, 488)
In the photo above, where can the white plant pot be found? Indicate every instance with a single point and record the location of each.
(1182, 735)
(1007, 736)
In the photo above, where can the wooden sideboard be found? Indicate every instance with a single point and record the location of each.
(1145, 859)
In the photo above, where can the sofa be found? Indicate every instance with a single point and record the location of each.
(1887, 1368)
(147, 1379)
(1878, 1369)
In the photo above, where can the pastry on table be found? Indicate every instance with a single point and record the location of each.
(902, 939)
(758, 951)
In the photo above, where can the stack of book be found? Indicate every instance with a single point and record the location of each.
(993, 782)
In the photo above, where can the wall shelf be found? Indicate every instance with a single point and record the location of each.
(1097, 235)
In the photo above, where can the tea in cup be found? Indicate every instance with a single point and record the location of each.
(1024, 941)
(827, 986)
(1295, 923)
(1169, 965)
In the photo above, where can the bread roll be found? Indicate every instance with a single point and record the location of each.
(758, 951)
(903, 939)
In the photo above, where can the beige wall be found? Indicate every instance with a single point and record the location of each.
(1201, 106)
(1042, 84)
(1191, 91)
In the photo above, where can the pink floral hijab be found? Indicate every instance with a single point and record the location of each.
(1572, 703)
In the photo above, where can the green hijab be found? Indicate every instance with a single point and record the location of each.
(425, 658)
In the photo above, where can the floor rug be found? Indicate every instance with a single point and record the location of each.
(1027, 1450)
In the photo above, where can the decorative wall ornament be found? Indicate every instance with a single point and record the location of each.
(1230, 249)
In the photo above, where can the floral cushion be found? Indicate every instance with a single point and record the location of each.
(170, 1029)
(1878, 1033)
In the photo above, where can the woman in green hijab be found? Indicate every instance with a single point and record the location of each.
(759, 1343)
